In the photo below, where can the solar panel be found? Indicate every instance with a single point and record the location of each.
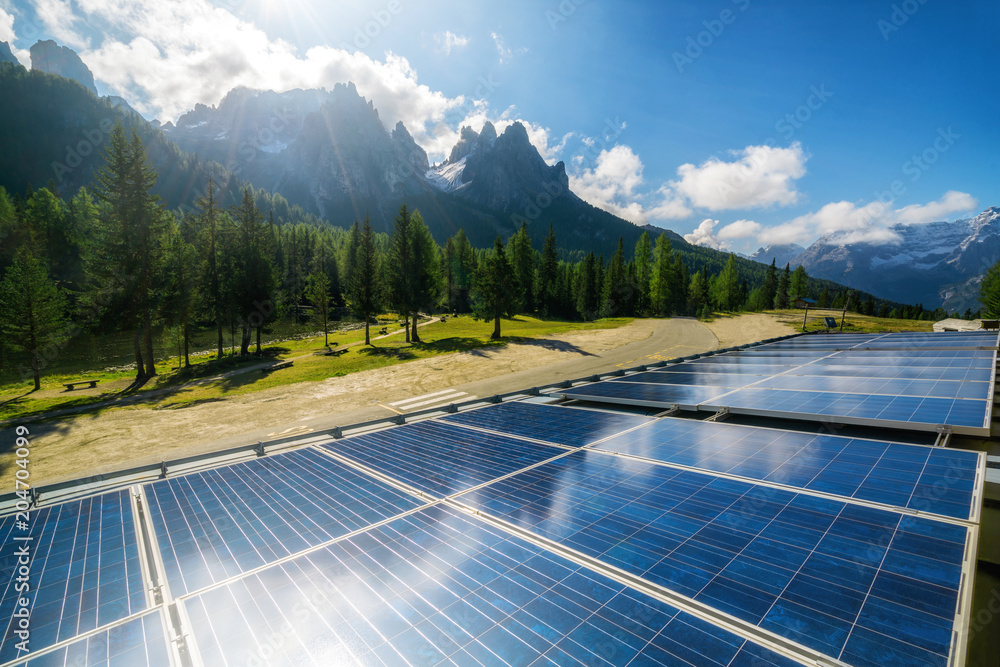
(809, 569)
(653, 395)
(865, 385)
(139, 641)
(84, 570)
(928, 479)
(441, 459)
(442, 588)
(909, 412)
(558, 425)
(216, 524)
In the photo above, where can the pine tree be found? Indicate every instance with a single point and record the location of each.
(522, 260)
(698, 293)
(495, 294)
(587, 290)
(210, 240)
(32, 309)
(401, 266)
(253, 279)
(798, 287)
(547, 283)
(662, 278)
(179, 298)
(365, 290)
(615, 287)
(125, 261)
(643, 274)
(726, 292)
(989, 293)
(770, 287)
(425, 275)
(781, 295)
(318, 293)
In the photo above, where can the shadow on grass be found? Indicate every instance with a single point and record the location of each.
(16, 399)
(387, 352)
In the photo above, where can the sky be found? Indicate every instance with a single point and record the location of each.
(737, 123)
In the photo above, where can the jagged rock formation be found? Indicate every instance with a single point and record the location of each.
(48, 56)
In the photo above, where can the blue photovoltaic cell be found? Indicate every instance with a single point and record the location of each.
(734, 359)
(139, 641)
(85, 570)
(729, 369)
(956, 374)
(222, 522)
(442, 588)
(903, 409)
(887, 359)
(692, 379)
(847, 580)
(564, 426)
(928, 479)
(893, 387)
(639, 394)
(442, 459)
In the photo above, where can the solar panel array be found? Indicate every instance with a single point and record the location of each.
(919, 381)
(526, 533)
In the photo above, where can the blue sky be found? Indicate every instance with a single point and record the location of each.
(737, 122)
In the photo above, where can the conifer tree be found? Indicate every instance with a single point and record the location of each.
(495, 293)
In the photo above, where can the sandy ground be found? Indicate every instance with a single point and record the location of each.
(137, 434)
(748, 328)
(123, 436)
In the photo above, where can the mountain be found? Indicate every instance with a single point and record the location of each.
(6, 55)
(781, 254)
(936, 264)
(329, 152)
(47, 56)
(53, 130)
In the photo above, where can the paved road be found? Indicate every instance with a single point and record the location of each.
(677, 337)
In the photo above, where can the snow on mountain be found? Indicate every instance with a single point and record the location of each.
(781, 254)
(936, 264)
(447, 176)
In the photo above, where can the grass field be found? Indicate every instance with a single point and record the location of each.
(854, 322)
(201, 382)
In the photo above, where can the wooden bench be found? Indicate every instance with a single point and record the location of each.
(277, 366)
(70, 386)
(384, 331)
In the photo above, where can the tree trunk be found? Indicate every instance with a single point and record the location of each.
(368, 340)
(221, 340)
(147, 326)
(496, 328)
(416, 335)
(187, 345)
(406, 327)
(140, 367)
(244, 339)
(258, 340)
(34, 369)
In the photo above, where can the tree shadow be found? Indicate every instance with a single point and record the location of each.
(555, 345)
(387, 352)
(16, 399)
(468, 344)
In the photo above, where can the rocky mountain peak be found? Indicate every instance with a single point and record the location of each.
(467, 140)
(47, 56)
(6, 55)
(415, 155)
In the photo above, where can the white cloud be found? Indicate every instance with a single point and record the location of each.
(506, 54)
(762, 176)
(670, 206)
(951, 202)
(612, 183)
(704, 235)
(448, 41)
(59, 20)
(8, 35)
(846, 222)
(741, 229)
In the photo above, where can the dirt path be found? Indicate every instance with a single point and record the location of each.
(748, 328)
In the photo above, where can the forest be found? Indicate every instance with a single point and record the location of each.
(112, 258)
